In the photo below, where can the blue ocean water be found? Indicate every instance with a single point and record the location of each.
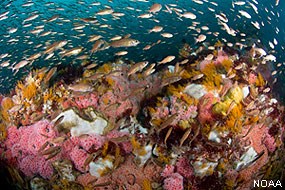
(21, 44)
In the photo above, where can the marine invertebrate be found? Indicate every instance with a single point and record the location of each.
(78, 157)
(146, 184)
(223, 59)
(184, 168)
(6, 104)
(174, 181)
(77, 126)
(213, 78)
(25, 143)
(205, 106)
(168, 170)
(101, 166)
(91, 142)
(231, 99)
(84, 101)
(109, 127)
(29, 91)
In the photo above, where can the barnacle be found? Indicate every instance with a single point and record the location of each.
(20, 86)
(151, 110)
(251, 120)
(222, 166)
(185, 50)
(105, 100)
(103, 171)
(186, 74)
(65, 184)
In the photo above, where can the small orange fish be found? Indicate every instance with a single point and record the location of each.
(168, 122)
(185, 136)
(167, 59)
(168, 134)
(50, 73)
(137, 67)
(51, 150)
(125, 42)
(80, 87)
(155, 8)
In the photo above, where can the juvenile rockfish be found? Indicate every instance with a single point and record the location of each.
(73, 51)
(125, 42)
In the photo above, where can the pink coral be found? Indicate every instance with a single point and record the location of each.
(25, 143)
(123, 107)
(126, 146)
(110, 97)
(78, 157)
(32, 164)
(183, 110)
(221, 57)
(116, 134)
(269, 142)
(255, 137)
(161, 112)
(168, 170)
(13, 136)
(184, 168)
(203, 64)
(174, 105)
(174, 182)
(91, 142)
(68, 145)
(45, 170)
(205, 108)
(85, 179)
(85, 101)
